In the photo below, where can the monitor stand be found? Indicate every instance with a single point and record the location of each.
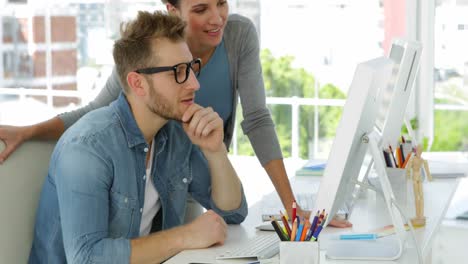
(389, 248)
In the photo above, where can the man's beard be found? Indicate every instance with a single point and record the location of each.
(161, 106)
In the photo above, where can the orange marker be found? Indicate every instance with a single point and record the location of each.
(304, 230)
(406, 160)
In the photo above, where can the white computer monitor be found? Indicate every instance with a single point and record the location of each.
(358, 118)
(372, 103)
(373, 111)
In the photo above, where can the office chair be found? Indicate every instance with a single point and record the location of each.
(21, 178)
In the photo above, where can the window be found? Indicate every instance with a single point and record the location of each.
(17, 65)
(45, 46)
(450, 76)
(60, 53)
(309, 53)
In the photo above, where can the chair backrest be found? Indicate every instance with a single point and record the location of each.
(21, 178)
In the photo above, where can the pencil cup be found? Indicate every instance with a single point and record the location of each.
(304, 252)
(399, 183)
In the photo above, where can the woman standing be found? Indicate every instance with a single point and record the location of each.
(229, 48)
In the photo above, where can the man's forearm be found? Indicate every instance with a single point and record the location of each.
(51, 129)
(226, 189)
(158, 247)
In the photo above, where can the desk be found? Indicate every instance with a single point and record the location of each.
(367, 215)
(450, 242)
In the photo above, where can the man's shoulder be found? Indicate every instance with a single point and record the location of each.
(97, 124)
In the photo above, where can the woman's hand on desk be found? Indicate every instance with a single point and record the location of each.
(335, 222)
(340, 223)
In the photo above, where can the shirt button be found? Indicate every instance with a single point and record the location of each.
(141, 210)
(126, 200)
(145, 149)
(144, 177)
(184, 180)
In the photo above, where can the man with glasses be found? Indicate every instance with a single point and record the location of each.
(119, 178)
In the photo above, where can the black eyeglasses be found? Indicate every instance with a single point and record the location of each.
(181, 70)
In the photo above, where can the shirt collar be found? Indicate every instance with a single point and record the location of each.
(127, 120)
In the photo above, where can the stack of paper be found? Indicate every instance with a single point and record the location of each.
(447, 169)
(312, 168)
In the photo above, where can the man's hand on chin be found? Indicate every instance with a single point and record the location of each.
(204, 127)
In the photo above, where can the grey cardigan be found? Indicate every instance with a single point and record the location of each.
(243, 51)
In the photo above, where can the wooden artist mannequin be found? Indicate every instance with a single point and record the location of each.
(414, 171)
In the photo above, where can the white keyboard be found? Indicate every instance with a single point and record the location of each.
(307, 200)
(262, 246)
(271, 205)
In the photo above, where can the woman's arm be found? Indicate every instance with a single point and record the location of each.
(108, 93)
(258, 124)
(14, 136)
(53, 128)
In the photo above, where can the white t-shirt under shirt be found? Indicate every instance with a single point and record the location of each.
(152, 203)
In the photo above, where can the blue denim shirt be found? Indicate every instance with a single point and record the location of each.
(92, 199)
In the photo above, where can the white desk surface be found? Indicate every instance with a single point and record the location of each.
(367, 215)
